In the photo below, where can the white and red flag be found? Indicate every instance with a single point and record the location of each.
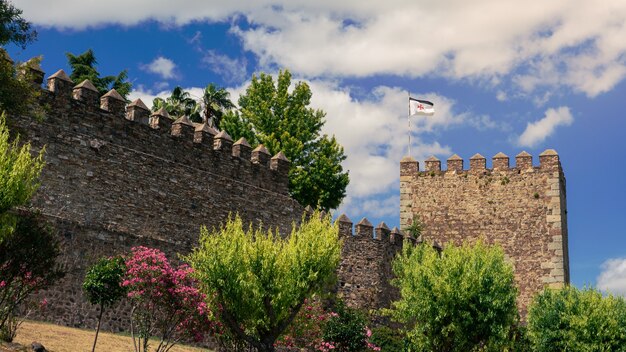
(420, 107)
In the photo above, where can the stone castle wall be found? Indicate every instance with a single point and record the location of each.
(118, 176)
(364, 273)
(522, 208)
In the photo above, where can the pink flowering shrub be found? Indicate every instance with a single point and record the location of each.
(315, 329)
(28, 253)
(305, 331)
(165, 301)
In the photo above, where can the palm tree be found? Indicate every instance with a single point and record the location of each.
(215, 101)
(177, 104)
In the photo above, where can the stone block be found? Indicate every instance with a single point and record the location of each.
(553, 218)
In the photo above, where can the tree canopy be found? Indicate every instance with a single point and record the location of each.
(261, 279)
(84, 67)
(273, 114)
(17, 93)
(460, 300)
(13, 28)
(19, 170)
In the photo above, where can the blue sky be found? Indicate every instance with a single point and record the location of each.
(503, 77)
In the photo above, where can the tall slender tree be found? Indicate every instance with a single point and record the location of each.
(215, 101)
(84, 67)
(103, 286)
(273, 114)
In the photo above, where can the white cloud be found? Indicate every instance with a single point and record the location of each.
(372, 207)
(161, 66)
(613, 276)
(232, 70)
(146, 95)
(540, 44)
(373, 132)
(536, 132)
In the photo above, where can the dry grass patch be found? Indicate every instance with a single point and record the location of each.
(63, 339)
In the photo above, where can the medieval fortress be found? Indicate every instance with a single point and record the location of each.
(118, 176)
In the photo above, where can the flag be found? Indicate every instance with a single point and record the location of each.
(420, 107)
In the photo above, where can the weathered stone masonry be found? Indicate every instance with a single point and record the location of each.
(522, 208)
(117, 176)
(365, 271)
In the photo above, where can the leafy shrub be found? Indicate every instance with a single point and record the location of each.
(317, 329)
(570, 319)
(346, 330)
(460, 300)
(389, 340)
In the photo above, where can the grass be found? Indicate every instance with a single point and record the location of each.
(63, 339)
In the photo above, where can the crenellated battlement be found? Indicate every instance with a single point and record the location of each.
(135, 119)
(365, 270)
(364, 275)
(365, 231)
(548, 161)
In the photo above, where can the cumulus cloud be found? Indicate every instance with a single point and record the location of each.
(146, 95)
(374, 130)
(536, 132)
(161, 66)
(613, 276)
(232, 70)
(537, 44)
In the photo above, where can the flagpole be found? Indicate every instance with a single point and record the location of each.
(408, 117)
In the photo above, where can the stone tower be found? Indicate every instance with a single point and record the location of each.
(522, 208)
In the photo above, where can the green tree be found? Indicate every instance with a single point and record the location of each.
(570, 319)
(17, 93)
(461, 300)
(103, 285)
(215, 101)
(19, 170)
(179, 103)
(260, 279)
(13, 28)
(271, 115)
(84, 67)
